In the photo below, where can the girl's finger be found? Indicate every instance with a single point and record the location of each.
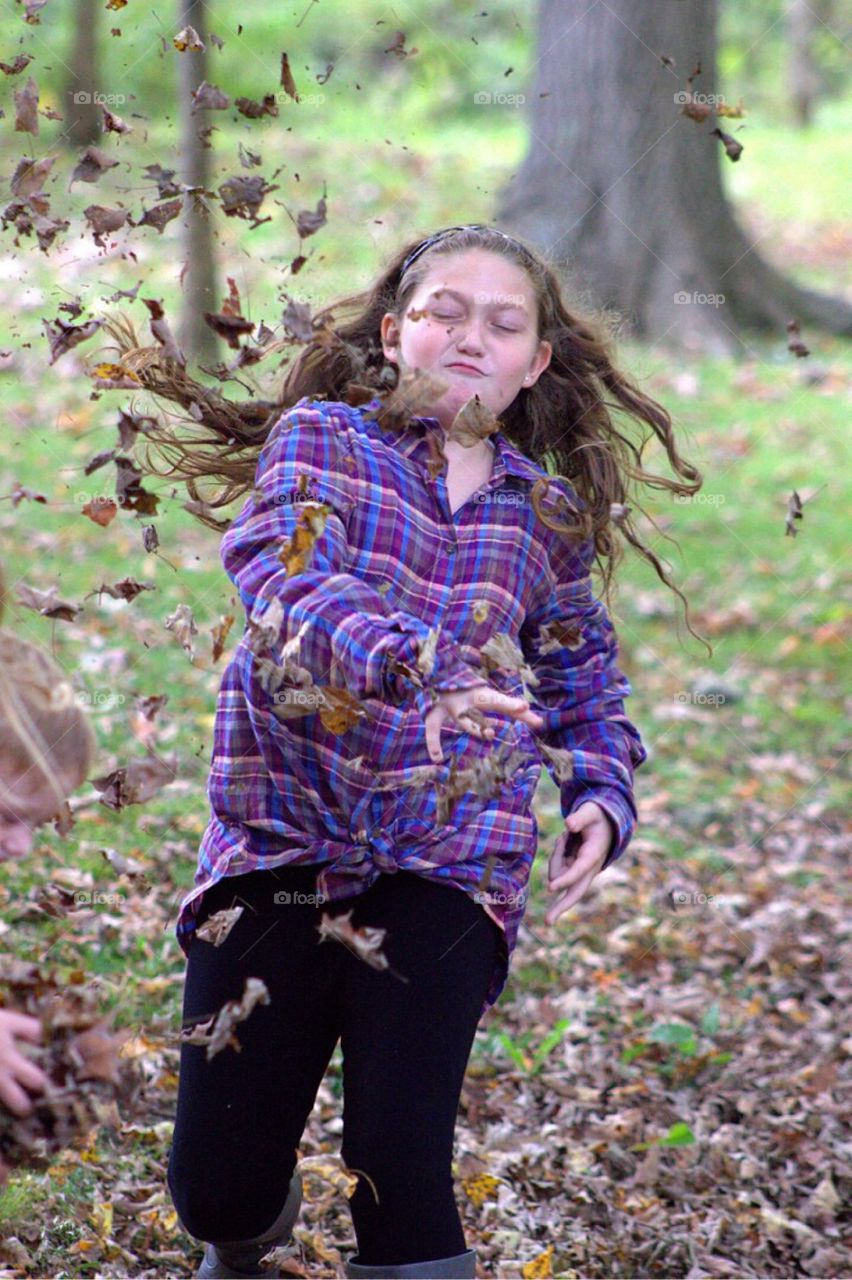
(433, 734)
(27, 1073)
(14, 1097)
(567, 900)
(21, 1024)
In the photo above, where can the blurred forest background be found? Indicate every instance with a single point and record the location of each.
(658, 1092)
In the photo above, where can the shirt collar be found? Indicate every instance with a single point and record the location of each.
(507, 459)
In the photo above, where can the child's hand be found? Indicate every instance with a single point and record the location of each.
(458, 705)
(16, 838)
(578, 856)
(16, 1070)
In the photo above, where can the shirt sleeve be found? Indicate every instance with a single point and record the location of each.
(351, 631)
(581, 694)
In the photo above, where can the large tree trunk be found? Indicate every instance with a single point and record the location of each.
(624, 191)
(802, 76)
(83, 116)
(195, 336)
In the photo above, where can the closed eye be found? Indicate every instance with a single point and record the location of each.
(504, 327)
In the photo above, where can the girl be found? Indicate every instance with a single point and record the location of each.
(46, 748)
(421, 631)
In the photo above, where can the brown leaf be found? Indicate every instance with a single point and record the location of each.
(189, 38)
(136, 782)
(220, 635)
(46, 602)
(473, 422)
(296, 551)
(415, 394)
(366, 942)
(19, 492)
(182, 624)
(340, 710)
(29, 175)
(101, 511)
(253, 110)
(207, 97)
(62, 337)
(26, 108)
(217, 1032)
(795, 343)
(91, 165)
(217, 927)
(242, 196)
(794, 512)
(288, 84)
(161, 330)
(151, 704)
(103, 220)
(96, 1051)
(160, 215)
(15, 67)
(733, 149)
(308, 221)
(126, 589)
(114, 123)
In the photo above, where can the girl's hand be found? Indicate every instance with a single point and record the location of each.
(16, 1070)
(465, 707)
(578, 856)
(16, 838)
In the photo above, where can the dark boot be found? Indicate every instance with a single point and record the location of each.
(461, 1267)
(224, 1260)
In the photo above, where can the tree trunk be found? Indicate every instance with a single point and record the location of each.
(624, 192)
(83, 117)
(200, 292)
(803, 80)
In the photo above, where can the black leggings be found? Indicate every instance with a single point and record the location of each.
(241, 1116)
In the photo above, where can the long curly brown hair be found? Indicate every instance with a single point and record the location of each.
(342, 359)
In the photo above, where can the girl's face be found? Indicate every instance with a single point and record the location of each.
(480, 311)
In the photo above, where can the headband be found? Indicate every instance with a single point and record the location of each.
(468, 226)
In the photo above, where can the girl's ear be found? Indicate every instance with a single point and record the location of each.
(389, 330)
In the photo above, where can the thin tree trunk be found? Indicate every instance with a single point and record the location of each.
(200, 292)
(624, 191)
(83, 115)
(803, 80)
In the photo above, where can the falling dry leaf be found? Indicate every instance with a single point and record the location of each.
(217, 927)
(217, 1032)
(182, 624)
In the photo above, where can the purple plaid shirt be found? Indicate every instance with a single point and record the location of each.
(392, 567)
